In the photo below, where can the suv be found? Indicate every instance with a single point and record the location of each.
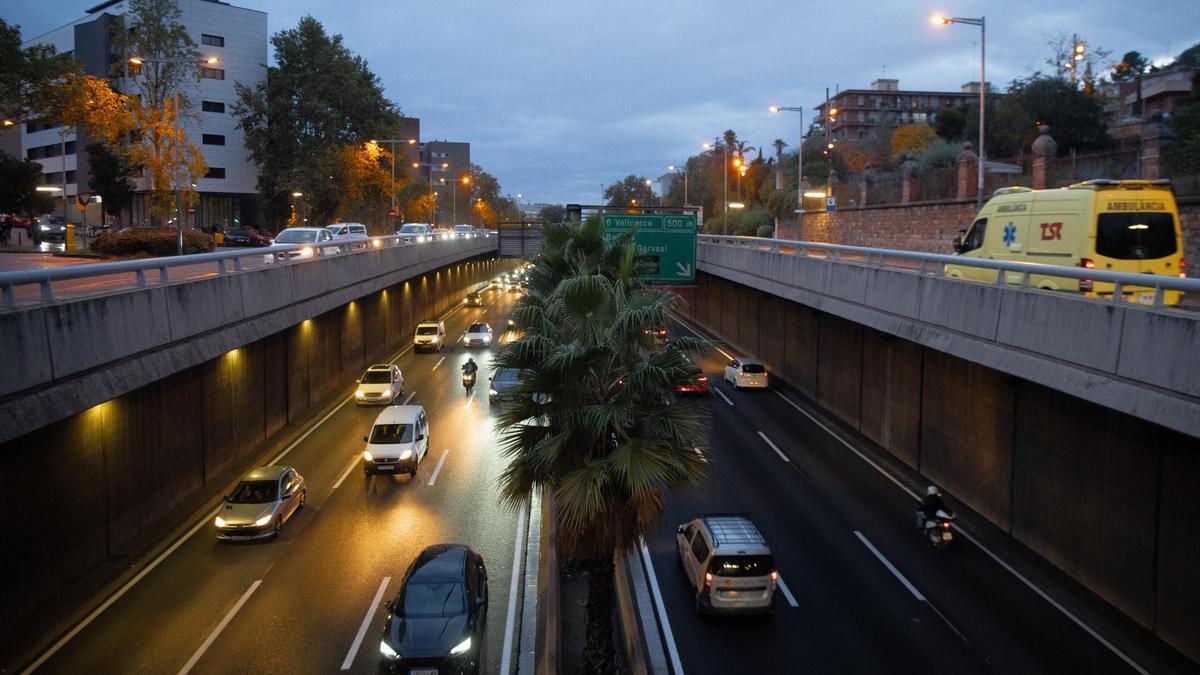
(431, 335)
(729, 564)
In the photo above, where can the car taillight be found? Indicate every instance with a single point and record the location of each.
(1086, 263)
(703, 378)
(707, 581)
(945, 525)
(774, 575)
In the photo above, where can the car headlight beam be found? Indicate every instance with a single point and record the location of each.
(406, 454)
(263, 521)
(386, 650)
(368, 456)
(461, 647)
(219, 522)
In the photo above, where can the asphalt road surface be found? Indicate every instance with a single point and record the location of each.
(296, 604)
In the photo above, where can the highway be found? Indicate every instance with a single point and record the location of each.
(864, 591)
(297, 604)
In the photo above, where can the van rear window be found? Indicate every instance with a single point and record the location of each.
(1135, 236)
(742, 566)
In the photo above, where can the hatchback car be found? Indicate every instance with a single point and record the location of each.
(437, 622)
(746, 373)
(381, 384)
(48, 227)
(261, 503)
(478, 335)
(728, 563)
(311, 237)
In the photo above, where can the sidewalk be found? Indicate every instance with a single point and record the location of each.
(19, 242)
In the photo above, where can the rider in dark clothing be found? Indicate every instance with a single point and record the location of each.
(470, 367)
(932, 503)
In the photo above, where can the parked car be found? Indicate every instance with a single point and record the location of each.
(478, 335)
(262, 502)
(746, 373)
(398, 441)
(430, 335)
(237, 236)
(728, 563)
(437, 622)
(382, 383)
(257, 238)
(415, 233)
(314, 236)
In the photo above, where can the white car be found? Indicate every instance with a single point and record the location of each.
(478, 335)
(415, 233)
(348, 231)
(430, 335)
(312, 236)
(381, 384)
(746, 373)
(463, 232)
(442, 234)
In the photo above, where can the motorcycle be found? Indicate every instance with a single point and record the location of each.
(468, 380)
(938, 529)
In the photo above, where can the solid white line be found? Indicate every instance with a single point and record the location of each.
(774, 447)
(722, 395)
(438, 363)
(338, 484)
(697, 334)
(895, 572)
(409, 398)
(511, 618)
(187, 667)
(362, 629)
(438, 469)
(787, 592)
(672, 651)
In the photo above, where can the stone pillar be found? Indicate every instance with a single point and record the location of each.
(1044, 151)
(908, 182)
(1156, 140)
(968, 178)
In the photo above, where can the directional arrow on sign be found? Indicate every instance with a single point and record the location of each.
(683, 269)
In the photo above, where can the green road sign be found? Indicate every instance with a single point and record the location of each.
(668, 242)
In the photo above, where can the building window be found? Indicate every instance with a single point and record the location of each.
(212, 139)
(71, 176)
(70, 147)
(212, 106)
(215, 172)
(212, 73)
(212, 40)
(51, 150)
(33, 153)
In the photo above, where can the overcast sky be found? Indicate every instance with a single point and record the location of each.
(558, 97)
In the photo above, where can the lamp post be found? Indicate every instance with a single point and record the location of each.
(939, 20)
(138, 61)
(677, 169)
(725, 204)
(432, 167)
(799, 158)
(392, 149)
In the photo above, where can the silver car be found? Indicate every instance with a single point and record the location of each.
(261, 503)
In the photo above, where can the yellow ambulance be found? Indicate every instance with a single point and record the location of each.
(1114, 225)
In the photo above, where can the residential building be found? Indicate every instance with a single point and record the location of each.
(443, 165)
(858, 112)
(1158, 94)
(235, 35)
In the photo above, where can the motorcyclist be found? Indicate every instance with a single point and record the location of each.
(470, 367)
(930, 505)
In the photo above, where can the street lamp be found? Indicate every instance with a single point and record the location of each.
(725, 204)
(939, 20)
(139, 61)
(392, 149)
(678, 169)
(799, 157)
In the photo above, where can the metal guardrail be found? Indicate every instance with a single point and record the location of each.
(931, 264)
(224, 262)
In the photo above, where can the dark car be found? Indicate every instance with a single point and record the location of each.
(257, 238)
(438, 620)
(658, 335)
(236, 236)
(696, 383)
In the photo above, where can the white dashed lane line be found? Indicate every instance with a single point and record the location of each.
(774, 447)
(722, 395)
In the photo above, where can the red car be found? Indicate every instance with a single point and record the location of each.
(696, 383)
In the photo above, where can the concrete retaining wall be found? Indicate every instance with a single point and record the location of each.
(88, 488)
(1106, 496)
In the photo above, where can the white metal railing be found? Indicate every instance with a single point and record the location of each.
(931, 264)
(223, 262)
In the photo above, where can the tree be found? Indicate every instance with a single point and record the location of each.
(1076, 118)
(317, 99)
(1131, 65)
(911, 139)
(111, 177)
(25, 72)
(951, 122)
(553, 213)
(610, 439)
(779, 146)
(631, 191)
(19, 179)
(1190, 57)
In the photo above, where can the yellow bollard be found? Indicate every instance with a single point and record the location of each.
(218, 238)
(70, 237)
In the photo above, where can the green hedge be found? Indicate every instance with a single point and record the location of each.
(150, 243)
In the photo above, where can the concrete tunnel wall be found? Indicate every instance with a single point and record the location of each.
(91, 487)
(1105, 496)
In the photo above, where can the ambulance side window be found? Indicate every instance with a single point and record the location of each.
(974, 238)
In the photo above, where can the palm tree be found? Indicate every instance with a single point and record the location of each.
(596, 423)
(779, 146)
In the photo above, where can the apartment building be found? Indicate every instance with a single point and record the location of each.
(237, 36)
(859, 111)
(443, 166)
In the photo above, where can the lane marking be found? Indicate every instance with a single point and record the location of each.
(787, 592)
(409, 397)
(774, 447)
(362, 629)
(660, 609)
(338, 484)
(887, 563)
(511, 618)
(697, 334)
(438, 469)
(722, 395)
(212, 637)
(435, 366)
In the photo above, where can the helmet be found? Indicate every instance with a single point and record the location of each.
(470, 360)
(931, 490)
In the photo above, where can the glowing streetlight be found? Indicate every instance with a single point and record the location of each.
(939, 20)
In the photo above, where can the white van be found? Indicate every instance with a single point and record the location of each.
(399, 440)
(430, 335)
